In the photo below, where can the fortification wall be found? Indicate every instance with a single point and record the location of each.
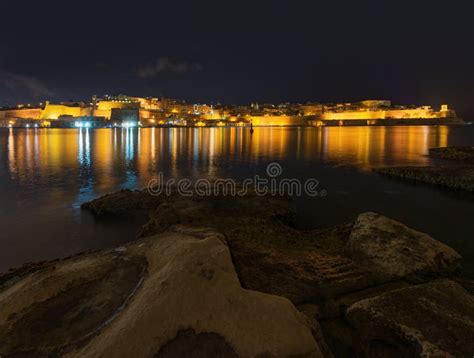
(389, 114)
(261, 121)
(104, 108)
(109, 105)
(54, 111)
(24, 113)
(387, 122)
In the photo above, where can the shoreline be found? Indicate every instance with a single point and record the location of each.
(335, 124)
(458, 176)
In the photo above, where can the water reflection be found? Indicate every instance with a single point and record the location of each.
(93, 162)
(141, 152)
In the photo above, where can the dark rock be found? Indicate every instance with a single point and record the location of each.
(202, 345)
(460, 154)
(300, 275)
(393, 250)
(435, 319)
(56, 308)
(453, 177)
(123, 204)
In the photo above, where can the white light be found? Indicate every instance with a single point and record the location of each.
(129, 124)
(82, 124)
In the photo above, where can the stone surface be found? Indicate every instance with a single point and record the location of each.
(453, 177)
(323, 272)
(169, 295)
(435, 319)
(57, 306)
(460, 154)
(123, 204)
(392, 249)
(192, 295)
(299, 275)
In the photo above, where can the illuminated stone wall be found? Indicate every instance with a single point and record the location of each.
(109, 105)
(276, 120)
(311, 110)
(147, 103)
(54, 111)
(104, 108)
(147, 114)
(389, 114)
(24, 113)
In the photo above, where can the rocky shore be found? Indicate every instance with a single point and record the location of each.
(459, 175)
(461, 154)
(233, 277)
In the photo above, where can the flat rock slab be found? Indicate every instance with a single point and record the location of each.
(191, 301)
(392, 249)
(59, 306)
(452, 177)
(435, 319)
(460, 154)
(300, 275)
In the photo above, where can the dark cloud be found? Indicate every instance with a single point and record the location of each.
(165, 64)
(16, 83)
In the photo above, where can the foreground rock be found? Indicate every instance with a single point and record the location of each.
(123, 204)
(430, 320)
(455, 177)
(60, 305)
(460, 154)
(396, 251)
(188, 301)
(325, 273)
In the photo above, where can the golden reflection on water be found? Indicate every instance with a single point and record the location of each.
(41, 153)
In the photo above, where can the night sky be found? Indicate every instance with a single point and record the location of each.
(236, 52)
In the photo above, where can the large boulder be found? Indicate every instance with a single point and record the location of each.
(435, 319)
(58, 305)
(123, 204)
(395, 251)
(301, 275)
(174, 294)
(192, 302)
